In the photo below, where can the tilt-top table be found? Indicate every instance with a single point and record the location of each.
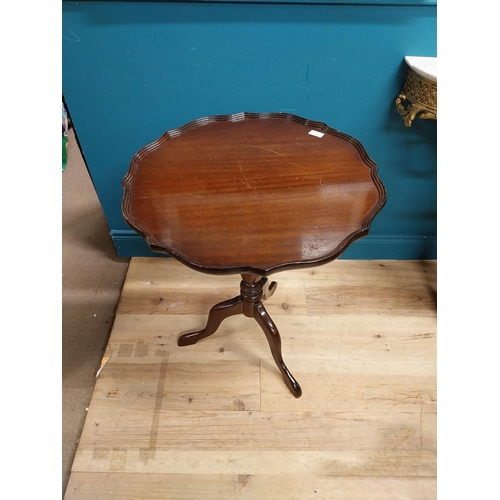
(252, 194)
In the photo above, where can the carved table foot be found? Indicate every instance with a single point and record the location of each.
(253, 290)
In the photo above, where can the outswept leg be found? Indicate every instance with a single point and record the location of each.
(273, 337)
(217, 315)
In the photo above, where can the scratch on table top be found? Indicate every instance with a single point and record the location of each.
(244, 176)
(265, 149)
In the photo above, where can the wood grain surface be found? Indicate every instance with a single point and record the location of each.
(252, 192)
(214, 420)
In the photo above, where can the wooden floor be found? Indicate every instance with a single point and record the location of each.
(215, 420)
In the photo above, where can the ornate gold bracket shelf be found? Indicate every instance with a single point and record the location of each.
(419, 95)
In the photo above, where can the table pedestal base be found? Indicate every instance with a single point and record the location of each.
(254, 290)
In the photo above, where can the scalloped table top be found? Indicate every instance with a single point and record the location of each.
(252, 193)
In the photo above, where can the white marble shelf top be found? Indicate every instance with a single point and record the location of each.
(424, 66)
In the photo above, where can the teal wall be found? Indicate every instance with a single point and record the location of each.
(132, 70)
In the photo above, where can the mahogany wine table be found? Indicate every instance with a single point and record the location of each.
(252, 194)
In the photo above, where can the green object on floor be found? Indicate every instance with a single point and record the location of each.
(64, 152)
(64, 137)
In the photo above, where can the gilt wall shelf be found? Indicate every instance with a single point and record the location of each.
(419, 95)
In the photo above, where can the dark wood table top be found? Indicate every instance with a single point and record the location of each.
(252, 193)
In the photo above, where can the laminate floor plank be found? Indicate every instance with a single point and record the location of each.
(119, 486)
(306, 337)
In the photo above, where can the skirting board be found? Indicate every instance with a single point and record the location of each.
(371, 247)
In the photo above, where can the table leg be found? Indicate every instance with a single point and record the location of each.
(273, 337)
(217, 315)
